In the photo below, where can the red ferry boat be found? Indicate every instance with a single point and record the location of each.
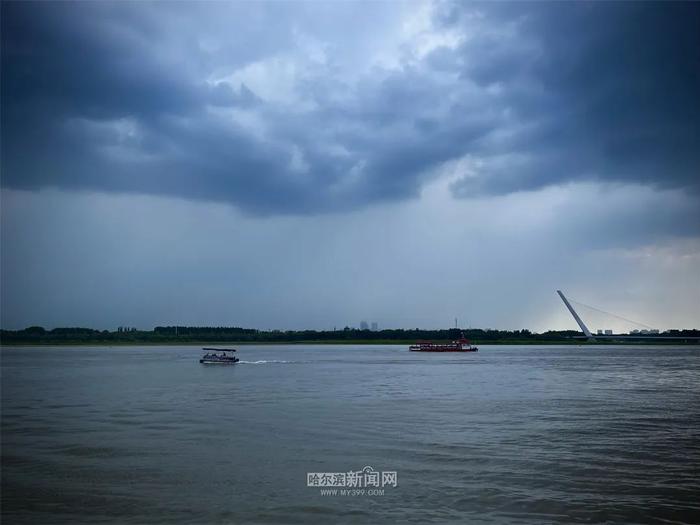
(461, 345)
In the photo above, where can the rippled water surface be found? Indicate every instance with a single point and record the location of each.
(505, 435)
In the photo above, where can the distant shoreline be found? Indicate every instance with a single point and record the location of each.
(360, 342)
(212, 335)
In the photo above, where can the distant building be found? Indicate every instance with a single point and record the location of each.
(608, 332)
(364, 325)
(375, 327)
(600, 332)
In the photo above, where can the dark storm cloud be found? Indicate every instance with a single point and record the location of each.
(617, 96)
(138, 97)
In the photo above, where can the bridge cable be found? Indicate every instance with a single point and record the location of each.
(609, 313)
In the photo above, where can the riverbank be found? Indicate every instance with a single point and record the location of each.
(566, 342)
(204, 335)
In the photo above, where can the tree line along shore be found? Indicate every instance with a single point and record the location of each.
(37, 335)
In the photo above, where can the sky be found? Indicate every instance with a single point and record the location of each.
(292, 165)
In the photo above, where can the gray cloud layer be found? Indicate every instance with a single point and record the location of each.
(281, 108)
(103, 260)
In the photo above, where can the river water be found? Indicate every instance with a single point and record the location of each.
(506, 435)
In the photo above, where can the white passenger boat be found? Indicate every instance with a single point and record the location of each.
(219, 356)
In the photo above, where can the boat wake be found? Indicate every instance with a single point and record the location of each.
(266, 362)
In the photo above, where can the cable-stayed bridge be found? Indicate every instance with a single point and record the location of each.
(587, 334)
